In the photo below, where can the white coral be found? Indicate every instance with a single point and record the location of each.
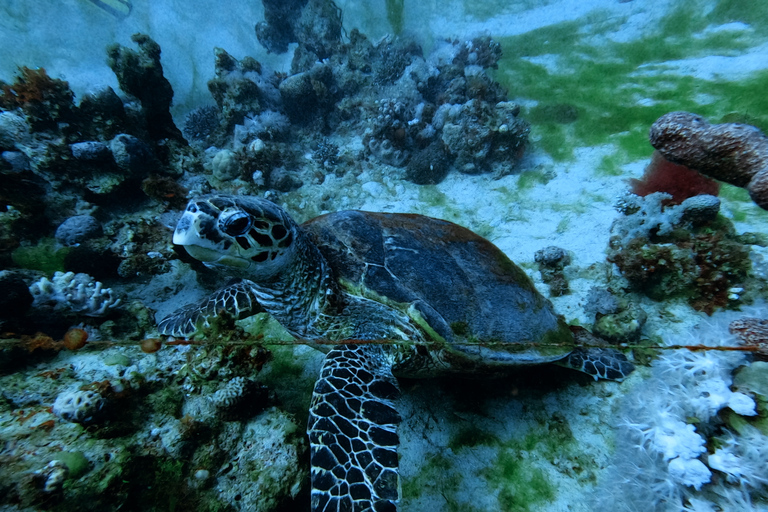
(668, 417)
(743, 459)
(78, 406)
(78, 293)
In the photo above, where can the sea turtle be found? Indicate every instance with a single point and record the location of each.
(389, 295)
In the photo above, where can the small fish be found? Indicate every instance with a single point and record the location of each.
(120, 9)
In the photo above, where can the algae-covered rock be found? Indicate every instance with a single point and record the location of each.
(622, 327)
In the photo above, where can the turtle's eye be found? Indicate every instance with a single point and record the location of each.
(235, 224)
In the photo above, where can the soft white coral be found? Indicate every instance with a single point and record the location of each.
(743, 458)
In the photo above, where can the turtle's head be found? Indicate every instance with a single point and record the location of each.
(245, 233)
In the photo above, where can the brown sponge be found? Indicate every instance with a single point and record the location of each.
(734, 153)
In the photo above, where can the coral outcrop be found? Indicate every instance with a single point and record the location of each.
(731, 152)
(685, 250)
(552, 261)
(141, 75)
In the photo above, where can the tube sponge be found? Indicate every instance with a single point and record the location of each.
(731, 152)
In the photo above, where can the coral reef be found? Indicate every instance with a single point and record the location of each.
(314, 24)
(686, 434)
(730, 152)
(552, 261)
(45, 101)
(242, 88)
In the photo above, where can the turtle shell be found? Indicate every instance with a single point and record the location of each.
(468, 291)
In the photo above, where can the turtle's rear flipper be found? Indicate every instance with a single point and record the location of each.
(601, 363)
(352, 432)
(236, 300)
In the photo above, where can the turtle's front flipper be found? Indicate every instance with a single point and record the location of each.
(602, 363)
(236, 300)
(352, 432)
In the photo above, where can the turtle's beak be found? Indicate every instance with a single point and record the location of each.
(207, 255)
(185, 232)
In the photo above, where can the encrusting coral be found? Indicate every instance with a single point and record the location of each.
(730, 152)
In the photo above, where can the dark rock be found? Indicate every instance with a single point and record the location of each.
(17, 161)
(284, 181)
(132, 155)
(78, 229)
(430, 166)
(93, 151)
(307, 93)
(16, 298)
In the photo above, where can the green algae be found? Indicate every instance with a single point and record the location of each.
(396, 15)
(437, 471)
(530, 179)
(746, 11)
(47, 256)
(76, 462)
(168, 400)
(518, 473)
(116, 359)
(470, 437)
(522, 486)
(589, 90)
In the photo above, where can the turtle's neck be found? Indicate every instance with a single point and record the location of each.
(303, 296)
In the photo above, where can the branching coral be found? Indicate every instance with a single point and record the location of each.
(76, 293)
(730, 152)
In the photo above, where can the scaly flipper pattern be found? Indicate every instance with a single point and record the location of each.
(603, 363)
(352, 432)
(236, 300)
